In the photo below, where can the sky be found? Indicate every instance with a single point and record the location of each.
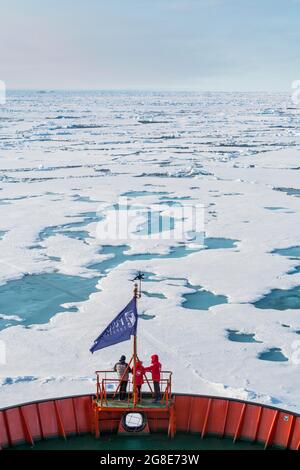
(230, 45)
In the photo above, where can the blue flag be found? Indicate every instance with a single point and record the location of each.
(120, 329)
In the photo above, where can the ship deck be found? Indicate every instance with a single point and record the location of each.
(146, 403)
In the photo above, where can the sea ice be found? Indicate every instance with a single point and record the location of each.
(65, 161)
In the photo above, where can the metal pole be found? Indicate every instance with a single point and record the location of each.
(135, 395)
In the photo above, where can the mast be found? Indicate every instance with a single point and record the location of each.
(136, 295)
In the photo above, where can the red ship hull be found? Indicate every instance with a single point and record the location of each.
(199, 414)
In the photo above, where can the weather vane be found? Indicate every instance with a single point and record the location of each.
(139, 277)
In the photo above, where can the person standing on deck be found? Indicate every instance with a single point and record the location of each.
(123, 370)
(139, 378)
(155, 369)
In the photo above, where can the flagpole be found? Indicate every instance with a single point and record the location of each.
(135, 395)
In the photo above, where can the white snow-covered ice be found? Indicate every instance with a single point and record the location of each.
(67, 158)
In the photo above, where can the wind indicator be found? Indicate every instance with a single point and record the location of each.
(139, 277)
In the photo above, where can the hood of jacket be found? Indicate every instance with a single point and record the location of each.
(154, 359)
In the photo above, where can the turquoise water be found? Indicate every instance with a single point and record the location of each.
(155, 295)
(36, 298)
(289, 191)
(202, 299)
(235, 335)
(77, 197)
(156, 223)
(54, 258)
(273, 354)
(66, 229)
(119, 256)
(79, 234)
(151, 277)
(155, 441)
(212, 243)
(179, 251)
(294, 270)
(145, 316)
(280, 299)
(290, 252)
(175, 199)
(144, 193)
(274, 208)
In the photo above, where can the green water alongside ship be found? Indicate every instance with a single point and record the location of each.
(155, 441)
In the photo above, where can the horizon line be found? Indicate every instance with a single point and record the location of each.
(153, 90)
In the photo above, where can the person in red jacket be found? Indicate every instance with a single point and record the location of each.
(139, 378)
(155, 369)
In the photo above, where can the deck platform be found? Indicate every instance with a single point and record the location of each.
(146, 404)
(110, 410)
(107, 406)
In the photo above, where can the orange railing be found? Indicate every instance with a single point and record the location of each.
(106, 384)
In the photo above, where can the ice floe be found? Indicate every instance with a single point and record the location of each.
(66, 159)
